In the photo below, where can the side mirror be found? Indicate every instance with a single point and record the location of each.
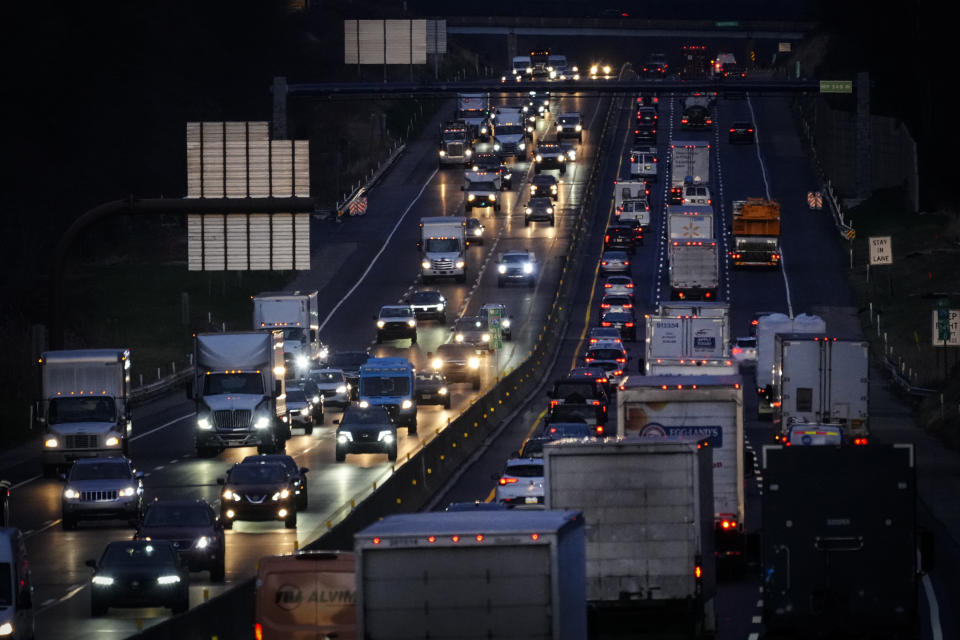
(303, 470)
(188, 386)
(91, 563)
(220, 481)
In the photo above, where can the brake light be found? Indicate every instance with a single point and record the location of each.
(731, 130)
(859, 441)
(553, 403)
(599, 430)
(596, 403)
(628, 324)
(629, 286)
(504, 481)
(621, 359)
(257, 631)
(697, 572)
(605, 324)
(606, 238)
(607, 285)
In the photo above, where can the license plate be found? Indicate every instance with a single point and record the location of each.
(426, 396)
(531, 500)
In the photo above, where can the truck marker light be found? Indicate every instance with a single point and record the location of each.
(455, 538)
(859, 441)
(376, 541)
(431, 539)
(479, 537)
(697, 572)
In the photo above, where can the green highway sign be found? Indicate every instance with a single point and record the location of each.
(727, 23)
(836, 86)
(493, 322)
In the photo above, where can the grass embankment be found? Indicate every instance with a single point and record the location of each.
(926, 266)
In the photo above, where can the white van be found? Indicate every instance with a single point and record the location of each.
(16, 590)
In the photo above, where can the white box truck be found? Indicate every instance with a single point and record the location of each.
(689, 164)
(690, 222)
(648, 507)
(768, 327)
(451, 575)
(629, 190)
(473, 109)
(239, 391)
(694, 272)
(443, 248)
(296, 313)
(688, 338)
(820, 379)
(84, 405)
(699, 407)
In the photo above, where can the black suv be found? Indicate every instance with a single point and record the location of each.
(193, 528)
(431, 388)
(620, 237)
(366, 430)
(258, 491)
(297, 474)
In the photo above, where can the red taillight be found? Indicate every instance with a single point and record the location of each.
(606, 238)
(754, 322)
(257, 631)
(626, 263)
(749, 130)
(431, 539)
(621, 359)
(376, 541)
(859, 441)
(697, 572)
(706, 295)
(628, 324)
(629, 286)
(607, 285)
(731, 130)
(786, 443)
(599, 430)
(737, 351)
(553, 403)
(604, 324)
(603, 262)
(504, 481)
(596, 403)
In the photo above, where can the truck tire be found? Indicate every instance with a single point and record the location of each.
(412, 427)
(303, 500)
(462, 277)
(413, 340)
(341, 455)
(181, 605)
(97, 607)
(392, 453)
(308, 429)
(446, 401)
(500, 283)
(291, 521)
(379, 338)
(476, 383)
(526, 222)
(206, 452)
(552, 221)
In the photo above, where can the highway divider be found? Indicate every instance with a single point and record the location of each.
(413, 483)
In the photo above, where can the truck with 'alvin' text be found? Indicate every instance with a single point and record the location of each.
(688, 338)
(482, 574)
(756, 233)
(84, 406)
(842, 555)
(702, 408)
(689, 164)
(768, 326)
(296, 313)
(239, 390)
(648, 505)
(821, 380)
(442, 244)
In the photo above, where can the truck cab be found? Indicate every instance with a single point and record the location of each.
(296, 313)
(84, 409)
(443, 244)
(509, 135)
(390, 383)
(473, 109)
(455, 144)
(482, 190)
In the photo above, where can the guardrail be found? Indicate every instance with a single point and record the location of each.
(359, 190)
(410, 486)
(161, 387)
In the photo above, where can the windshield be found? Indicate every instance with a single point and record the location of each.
(427, 296)
(443, 245)
(453, 136)
(376, 386)
(567, 430)
(326, 377)
(396, 312)
(567, 388)
(90, 409)
(509, 129)
(258, 474)
(232, 383)
(605, 354)
(296, 395)
(573, 121)
(524, 471)
(162, 515)
(510, 258)
(294, 334)
(481, 186)
(471, 324)
(6, 585)
(371, 415)
(100, 471)
(137, 553)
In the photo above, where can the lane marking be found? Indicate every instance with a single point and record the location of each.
(753, 636)
(163, 426)
(27, 481)
(74, 590)
(755, 620)
(386, 243)
(935, 629)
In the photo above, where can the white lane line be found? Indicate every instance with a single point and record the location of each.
(755, 620)
(74, 590)
(935, 630)
(27, 481)
(753, 636)
(163, 426)
(766, 188)
(174, 461)
(158, 467)
(386, 243)
(760, 603)
(48, 602)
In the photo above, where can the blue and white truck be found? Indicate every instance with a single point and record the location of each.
(389, 382)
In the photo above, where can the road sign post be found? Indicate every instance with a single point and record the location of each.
(881, 252)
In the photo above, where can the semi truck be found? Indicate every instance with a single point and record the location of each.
(648, 507)
(769, 326)
(296, 313)
(756, 233)
(703, 408)
(239, 389)
(821, 380)
(483, 574)
(688, 338)
(473, 109)
(443, 247)
(694, 271)
(689, 164)
(696, 113)
(389, 383)
(455, 144)
(841, 551)
(84, 405)
(695, 61)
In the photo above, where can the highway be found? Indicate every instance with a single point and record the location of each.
(357, 267)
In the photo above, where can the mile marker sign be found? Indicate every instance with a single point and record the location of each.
(881, 251)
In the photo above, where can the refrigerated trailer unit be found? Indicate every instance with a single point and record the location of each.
(688, 338)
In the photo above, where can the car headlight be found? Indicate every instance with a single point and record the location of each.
(305, 411)
(491, 197)
(442, 391)
(572, 154)
(471, 197)
(425, 264)
(474, 362)
(437, 363)
(553, 189)
(316, 399)
(505, 323)
(527, 267)
(283, 494)
(263, 422)
(549, 209)
(442, 153)
(606, 69)
(324, 353)
(342, 389)
(302, 362)
(364, 404)
(127, 492)
(529, 129)
(70, 493)
(411, 322)
(562, 158)
(385, 436)
(478, 232)
(502, 268)
(579, 127)
(468, 152)
(171, 579)
(344, 436)
(202, 542)
(102, 581)
(51, 443)
(553, 74)
(458, 337)
(111, 441)
(559, 128)
(529, 69)
(485, 337)
(594, 69)
(381, 324)
(406, 404)
(231, 495)
(483, 129)
(528, 210)
(460, 264)
(496, 147)
(539, 158)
